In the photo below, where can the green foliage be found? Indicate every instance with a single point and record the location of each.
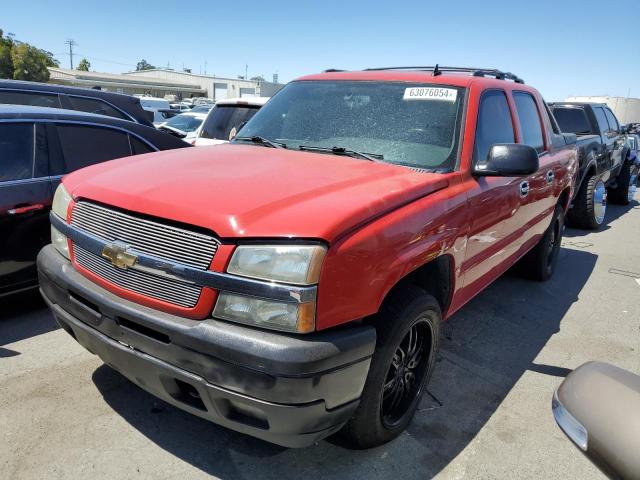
(143, 65)
(6, 62)
(21, 61)
(29, 63)
(84, 65)
(258, 78)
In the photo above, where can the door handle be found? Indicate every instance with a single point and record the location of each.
(26, 209)
(524, 188)
(550, 176)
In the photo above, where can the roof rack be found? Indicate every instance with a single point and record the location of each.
(476, 72)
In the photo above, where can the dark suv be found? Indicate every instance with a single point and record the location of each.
(605, 166)
(37, 147)
(87, 100)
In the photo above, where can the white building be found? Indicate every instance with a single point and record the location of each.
(126, 84)
(217, 88)
(626, 109)
(162, 82)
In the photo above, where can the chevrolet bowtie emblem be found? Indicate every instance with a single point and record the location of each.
(117, 254)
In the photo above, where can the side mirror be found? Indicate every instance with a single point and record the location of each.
(570, 138)
(508, 160)
(623, 129)
(598, 407)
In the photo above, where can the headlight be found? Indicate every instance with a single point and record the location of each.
(61, 201)
(295, 264)
(287, 317)
(60, 242)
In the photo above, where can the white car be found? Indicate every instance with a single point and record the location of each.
(226, 118)
(186, 125)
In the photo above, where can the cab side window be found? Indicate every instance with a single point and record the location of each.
(35, 99)
(92, 105)
(84, 145)
(494, 123)
(529, 120)
(601, 119)
(16, 151)
(613, 123)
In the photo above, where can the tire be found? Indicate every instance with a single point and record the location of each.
(626, 186)
(540, 262)
(585, 212)
(376, 421)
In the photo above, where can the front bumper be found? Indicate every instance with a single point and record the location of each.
(286, 389)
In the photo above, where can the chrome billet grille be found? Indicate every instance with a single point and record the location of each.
(161, 288)
(145, 236)
(166, 242)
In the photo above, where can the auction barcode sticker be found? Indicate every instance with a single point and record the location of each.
(430, 93)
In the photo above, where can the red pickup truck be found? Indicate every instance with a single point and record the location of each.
(293, 283)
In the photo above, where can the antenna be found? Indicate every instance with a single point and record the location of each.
(436, 72)
(72, 43)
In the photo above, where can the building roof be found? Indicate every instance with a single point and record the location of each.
(79, 77)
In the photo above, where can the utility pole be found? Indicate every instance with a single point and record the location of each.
(205, 68)
(246, 72)
(71, 42)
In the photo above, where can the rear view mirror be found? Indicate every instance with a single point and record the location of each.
(570, 138)
(508, 160)
(598, 408)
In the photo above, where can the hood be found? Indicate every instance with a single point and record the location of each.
(245, 191)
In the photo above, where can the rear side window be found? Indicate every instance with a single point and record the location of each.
(494, 123)
(613, 123)
(223, 118)
(16, 151)
(82, 146)
(601, 119)
(572, 120)
(34, 99)
(529, 120)
(139, 147)
(91, 105)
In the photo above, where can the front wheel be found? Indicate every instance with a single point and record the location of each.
(408, 335)
(540, 263)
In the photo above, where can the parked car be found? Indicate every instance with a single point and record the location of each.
(604, 166)
(226, 118)
(156, 107)
(88, 100)
(163, 115)
(181, 107)
(185, 125)
(37, 147)
(203, 108)
(597, 407)
(294, 282)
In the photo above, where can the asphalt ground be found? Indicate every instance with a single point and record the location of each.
(65, 415)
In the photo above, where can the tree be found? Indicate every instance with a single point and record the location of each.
(258, 78)
(6, 62)
(84, 65)
(22, 61)
(143, 65)
(29, 63)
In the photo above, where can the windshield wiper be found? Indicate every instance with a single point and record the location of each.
(258, 140)
(372, 157)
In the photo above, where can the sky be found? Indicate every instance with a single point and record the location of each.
(561, 47)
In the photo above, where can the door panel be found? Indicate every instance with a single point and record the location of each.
(24, 223)
(25, 200)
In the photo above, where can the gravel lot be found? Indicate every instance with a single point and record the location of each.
(63, 414)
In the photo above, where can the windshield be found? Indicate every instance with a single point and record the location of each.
(416, 125)
(184, 123)
(224, 118)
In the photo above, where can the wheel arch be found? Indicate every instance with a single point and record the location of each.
(436, 277)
